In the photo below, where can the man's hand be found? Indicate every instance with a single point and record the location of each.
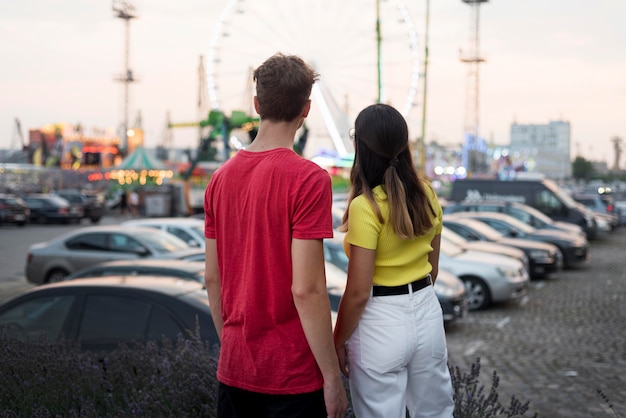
(335, 398)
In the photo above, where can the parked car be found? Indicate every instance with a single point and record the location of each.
(543, 259)
(594, 202)
(13, 210)
(73, 251)
(92, 204)
(520, 211)
(190, 230)
(449, 289)
(47, 208)
(490, 247)
(611, 206)
(542, 194)
(187, 270)
(101, 313)
(575, 249)
(489, 278)
(453, 296)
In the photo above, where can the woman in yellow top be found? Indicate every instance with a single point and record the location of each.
(389, 335)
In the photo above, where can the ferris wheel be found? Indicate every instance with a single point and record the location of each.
(358, 63)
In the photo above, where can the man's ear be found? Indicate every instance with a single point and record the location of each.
(256, 104)
(306, 108)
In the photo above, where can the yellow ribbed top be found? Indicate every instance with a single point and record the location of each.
(398, 261)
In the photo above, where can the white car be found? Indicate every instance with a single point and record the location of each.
(190, 230)
(488, 277)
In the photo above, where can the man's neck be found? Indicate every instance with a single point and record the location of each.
(273, 135)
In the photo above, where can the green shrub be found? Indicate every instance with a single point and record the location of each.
(164, 379)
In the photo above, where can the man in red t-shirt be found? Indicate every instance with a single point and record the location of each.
(267, 211)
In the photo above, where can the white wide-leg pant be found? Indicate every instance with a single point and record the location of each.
(397, 357)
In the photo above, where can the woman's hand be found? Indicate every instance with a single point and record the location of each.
(342, 356)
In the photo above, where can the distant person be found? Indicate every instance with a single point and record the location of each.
(267, 211)
(389, 334)
(133, 200)
(123, 206)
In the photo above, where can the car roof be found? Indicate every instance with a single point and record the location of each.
(161, 221)
(157, 263)
(157, 284)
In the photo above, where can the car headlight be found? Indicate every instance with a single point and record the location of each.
(508, 271)
(444, 290)
(539, 254)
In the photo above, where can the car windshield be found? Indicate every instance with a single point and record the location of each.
(199, 229)
(538, 215)
(163, 242)
(452, 236)
(484, 229)
(519, 225)
(450, 249)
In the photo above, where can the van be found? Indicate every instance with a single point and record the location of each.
(542, 194)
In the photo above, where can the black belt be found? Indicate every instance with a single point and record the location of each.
(401, 290)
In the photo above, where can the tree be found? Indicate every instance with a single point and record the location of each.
(582, 169)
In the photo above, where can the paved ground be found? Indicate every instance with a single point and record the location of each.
(555, 349)
(562, 343)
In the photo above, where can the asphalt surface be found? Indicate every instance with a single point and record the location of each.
(554, 349)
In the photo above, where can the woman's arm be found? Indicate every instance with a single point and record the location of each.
(354, 299)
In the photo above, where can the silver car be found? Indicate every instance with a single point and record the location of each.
(190, 230)
(488, 277)
(53, 260)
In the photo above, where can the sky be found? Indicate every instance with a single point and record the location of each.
(545, 60)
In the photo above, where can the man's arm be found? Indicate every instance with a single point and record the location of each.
(311, 299)
(213, 286)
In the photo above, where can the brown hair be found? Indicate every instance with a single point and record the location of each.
(283, 87)
(382, 157)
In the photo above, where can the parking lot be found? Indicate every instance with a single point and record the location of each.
(555, 348)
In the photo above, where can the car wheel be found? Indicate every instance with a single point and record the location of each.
(478, 296)
(56, 275)
(95, 220)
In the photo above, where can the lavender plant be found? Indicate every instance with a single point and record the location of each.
(471, 400)
(160, 378)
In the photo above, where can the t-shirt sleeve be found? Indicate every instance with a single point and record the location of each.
(313, 209)
(209, 218)
(363, 225)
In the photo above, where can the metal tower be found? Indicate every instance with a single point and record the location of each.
(125, 10)
(473, 59)
(617, 147)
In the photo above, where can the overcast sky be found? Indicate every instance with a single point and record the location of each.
(546, 60)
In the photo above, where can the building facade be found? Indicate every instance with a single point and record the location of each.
(543, 148)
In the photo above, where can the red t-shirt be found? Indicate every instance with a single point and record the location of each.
(254, 205)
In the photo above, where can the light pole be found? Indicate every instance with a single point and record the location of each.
(422, 141)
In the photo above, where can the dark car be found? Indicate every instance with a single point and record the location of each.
(84, 247)
(543, 259)
(520, 211)
(47, 208)
(13, 210)
(91, 204)
(575, 249)
(101, 313)
(595, 202)
(187, 270)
